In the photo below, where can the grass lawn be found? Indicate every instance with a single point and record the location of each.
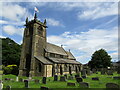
(58, 84)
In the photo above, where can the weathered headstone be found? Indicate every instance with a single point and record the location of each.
(65, 76)
(16, 79)
(1, 85)
(8, 87)
(88, 72)
(79, 79)
(37, 81)
(44, 80)
(26, 83)
(62, 78)
(84, 85)
(83, 77)
(70, 78)
(20, 80)
(70, 84)
(110, 72)
(116, 77)
(83, 72)
(95, 78)
(55, 77)
(44, 88)
(112, 85)
(94, 70)
(30, 78)
(77, 75)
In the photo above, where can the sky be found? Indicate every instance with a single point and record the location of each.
(82, 27)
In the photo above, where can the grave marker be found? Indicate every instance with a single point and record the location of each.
(26, 83)
(95, 78)
(62, 78)
(55, 77)
(70, 84)
(8, 87)
(83, 84)
(112, 85)
(79, 79)
(44, 80)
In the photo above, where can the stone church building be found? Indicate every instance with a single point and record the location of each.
(40, 58)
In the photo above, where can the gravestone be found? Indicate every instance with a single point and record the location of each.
(83, 84)
(116, 77)
(103, 72)
(26, 83)
(55, 77)
(17, 79)
(30, 78)
(44, 80)
(37, 81)
(70, 77)
(62, 78)
(118, 70)
(77, 75)
(20, 80)
(88, 71)
(94, 70)
(79, 79)
(112, 85)
(8, 87)
(65, 76)
(70, 84)
(83, 72)
(95, 78)
(110, 72)
(1, 85)
(83, 77)
(44, 88)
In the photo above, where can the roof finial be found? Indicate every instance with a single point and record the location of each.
(45, 21)
(35, 17)
(26, 20)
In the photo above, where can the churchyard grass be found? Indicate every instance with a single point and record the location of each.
(103, 79)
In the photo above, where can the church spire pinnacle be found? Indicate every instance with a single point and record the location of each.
(35, 17)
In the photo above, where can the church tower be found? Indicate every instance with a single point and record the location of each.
(34, 44)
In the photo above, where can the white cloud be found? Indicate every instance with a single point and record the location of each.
(98, 10)
(11, 30)
(87, 42)
(53, 22)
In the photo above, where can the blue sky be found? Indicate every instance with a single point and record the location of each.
(83, 27)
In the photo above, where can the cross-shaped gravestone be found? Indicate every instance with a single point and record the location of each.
(79, 79)
(44, 80)
(26, 83)
(55, 77)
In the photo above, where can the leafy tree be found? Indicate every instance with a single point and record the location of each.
(100, 59)
(10, 52)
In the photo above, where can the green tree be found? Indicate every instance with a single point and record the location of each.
(10, 52)
(100, 59)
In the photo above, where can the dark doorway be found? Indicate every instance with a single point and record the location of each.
(76, 69)
(70, 70)
(61, 71)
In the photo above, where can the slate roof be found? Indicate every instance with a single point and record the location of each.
(43, 60)
(70, 56)
(61, 60)
(55, 49)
